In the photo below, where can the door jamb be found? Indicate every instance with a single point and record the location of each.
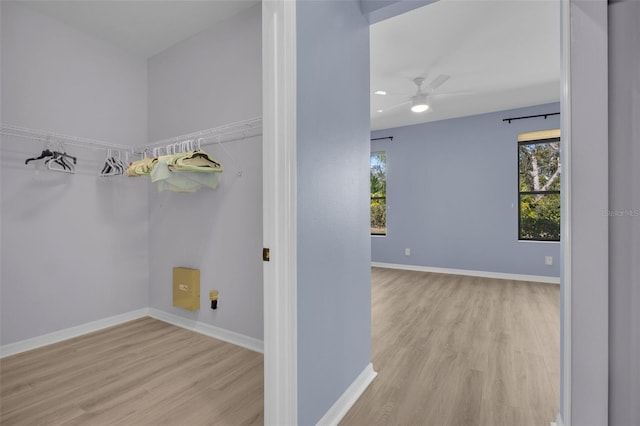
(279, 212)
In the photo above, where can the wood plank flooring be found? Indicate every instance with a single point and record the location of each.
(144, 372)
(449, 350)
(456, 350)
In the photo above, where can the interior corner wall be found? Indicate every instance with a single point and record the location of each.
(211, 79)
(74, 247)
(624, 212)
(452, 195)
(334, 325)
(379, 10)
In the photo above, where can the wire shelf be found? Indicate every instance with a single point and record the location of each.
(221, 134)
(40, 135)
(226, 133)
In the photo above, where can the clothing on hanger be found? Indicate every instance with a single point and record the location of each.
(141, 167)
(179, 172)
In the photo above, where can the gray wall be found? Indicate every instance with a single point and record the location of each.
(588, 227)
(452, 194)
(624, 208)
(74, 247)
(333, 214)
(209, 80)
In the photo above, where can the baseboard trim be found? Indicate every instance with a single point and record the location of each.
(69, 333)
(209, 330)
(482, 274)
(348, 398)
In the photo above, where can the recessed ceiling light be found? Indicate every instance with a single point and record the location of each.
(379, 110)
(380, 92)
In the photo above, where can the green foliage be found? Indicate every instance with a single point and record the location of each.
(378, 216)
(540, 217)
(378, 181)
(539, 183)
(539, 166)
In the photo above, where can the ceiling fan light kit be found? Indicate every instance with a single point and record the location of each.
(419, 103)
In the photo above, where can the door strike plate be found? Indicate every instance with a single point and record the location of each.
(265, 254)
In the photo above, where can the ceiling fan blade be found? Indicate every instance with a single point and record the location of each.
(395, 106)
(438, 81)
(393, 94)
(448, 94)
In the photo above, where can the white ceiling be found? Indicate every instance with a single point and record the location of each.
(144, 28)
(499, 54)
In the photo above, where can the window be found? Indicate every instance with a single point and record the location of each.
(539, 186)
(378, 193)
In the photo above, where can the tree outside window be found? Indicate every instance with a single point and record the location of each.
(539, 188)
(378, 177)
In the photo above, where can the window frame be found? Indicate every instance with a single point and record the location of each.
(371, 198)
(544, 138)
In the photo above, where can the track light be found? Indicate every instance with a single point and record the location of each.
(419, 103)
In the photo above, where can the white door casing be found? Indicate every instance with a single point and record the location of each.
(279, 212)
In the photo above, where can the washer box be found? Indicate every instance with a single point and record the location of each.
(186, 288)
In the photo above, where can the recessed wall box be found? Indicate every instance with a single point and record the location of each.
(186, 288)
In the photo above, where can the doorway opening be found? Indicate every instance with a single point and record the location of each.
(452, 206)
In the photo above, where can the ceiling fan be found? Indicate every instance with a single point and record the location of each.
(420, 102)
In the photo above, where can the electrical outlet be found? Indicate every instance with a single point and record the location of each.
(548, 260)
(407, 252)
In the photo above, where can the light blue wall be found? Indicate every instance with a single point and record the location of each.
(452, 195)
(334, 329)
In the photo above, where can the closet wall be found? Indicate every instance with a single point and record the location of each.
(212, 79)
(74, 247)
(78, 248)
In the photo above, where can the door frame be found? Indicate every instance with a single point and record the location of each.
(279, 200)
(564, 414)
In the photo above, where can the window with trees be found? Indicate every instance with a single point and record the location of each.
(378, 177)
(539, 186)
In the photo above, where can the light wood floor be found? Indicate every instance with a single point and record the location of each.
(449, 350)
(454, 350)
(144, 372)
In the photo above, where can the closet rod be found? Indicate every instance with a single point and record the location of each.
(226, 133)
(43, 136)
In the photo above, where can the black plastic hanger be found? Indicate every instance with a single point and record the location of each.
(44, 154)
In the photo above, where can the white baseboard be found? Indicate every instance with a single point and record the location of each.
(209, 330)
(483, 274)
(348, 398)
(68, 333)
